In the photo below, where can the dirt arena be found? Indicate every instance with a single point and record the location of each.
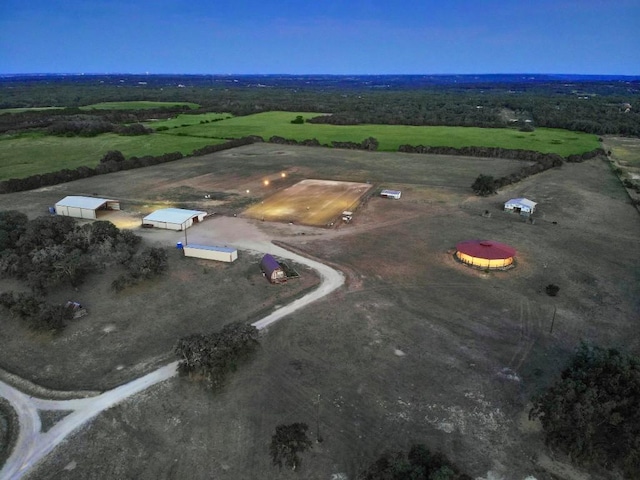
(316, 203)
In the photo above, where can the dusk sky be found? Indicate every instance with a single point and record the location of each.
(321, 36)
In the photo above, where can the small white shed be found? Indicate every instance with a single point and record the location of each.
(522, 206)
(84, 207)
(395, 194)
(173, 218)
(210, 252)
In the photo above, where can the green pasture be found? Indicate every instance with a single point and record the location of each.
(183, 120)
(268, 124)
(27, 109)
(30, 154)
(35, 153)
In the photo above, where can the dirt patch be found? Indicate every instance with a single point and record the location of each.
(316, 203)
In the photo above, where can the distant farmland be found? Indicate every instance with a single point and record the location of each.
(268, 124)
(36, 153)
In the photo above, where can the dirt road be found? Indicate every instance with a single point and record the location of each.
(33, 445)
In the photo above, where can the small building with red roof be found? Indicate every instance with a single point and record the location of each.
(485, 253)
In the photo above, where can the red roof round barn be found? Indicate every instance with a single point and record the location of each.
(485, 253)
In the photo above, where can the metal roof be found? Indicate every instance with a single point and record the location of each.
(90, 203)
(212, 247)
(173, 215)
(269, 264)
(487, 249)
(525, 202)
(390, 192)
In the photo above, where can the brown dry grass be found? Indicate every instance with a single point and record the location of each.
(411, 350)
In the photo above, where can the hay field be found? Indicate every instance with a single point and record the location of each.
(310, 202)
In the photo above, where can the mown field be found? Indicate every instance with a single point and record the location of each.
(36, 153)
(268, 124)
(30, 154)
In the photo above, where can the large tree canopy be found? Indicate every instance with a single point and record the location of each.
(593, 411)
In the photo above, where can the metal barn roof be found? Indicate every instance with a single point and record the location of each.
(487, 249)
(173, 215)
(522, 202)
(269, 264)
(90, 203)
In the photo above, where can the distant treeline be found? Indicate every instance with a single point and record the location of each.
(76, 122)
(111, 162)
(598, 107)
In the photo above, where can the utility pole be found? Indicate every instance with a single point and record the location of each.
(318, 437)
(553, 319)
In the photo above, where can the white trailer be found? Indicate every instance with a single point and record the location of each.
(210, 252)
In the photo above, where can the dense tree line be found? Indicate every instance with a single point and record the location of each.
(73, 121)
(591, 412)
(38, 314)
(595, 106)
(370, 144)
(417, 464)
(108, 164)
(212, 356)
(52, 250)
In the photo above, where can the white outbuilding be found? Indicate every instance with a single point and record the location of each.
(522, 206)
(395, 194)
(210, 252)
(84, 207)
(173, 218)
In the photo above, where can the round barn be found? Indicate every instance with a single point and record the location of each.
(485, 253)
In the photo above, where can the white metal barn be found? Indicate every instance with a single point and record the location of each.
(84, 207)
(522, 206)
(210, 252)
(395, 194)
(173, 218)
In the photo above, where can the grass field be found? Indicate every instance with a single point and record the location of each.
(31, 154)
(266, 125)
(310, 202)
(411, 349)
(35, 153)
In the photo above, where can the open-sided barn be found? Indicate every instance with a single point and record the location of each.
(272, 269)
(523, 206)
(485, 253)
(84, 207)
(173, 218)
(210, 252)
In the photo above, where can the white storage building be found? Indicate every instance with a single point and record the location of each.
(395, 194)
(173, 218)
(84, 207)
(210, 252)
(522, 206)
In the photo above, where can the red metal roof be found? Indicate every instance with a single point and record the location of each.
(486, 249)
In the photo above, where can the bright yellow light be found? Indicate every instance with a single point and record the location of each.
(283, 174)
(248, 191)
(266, 182)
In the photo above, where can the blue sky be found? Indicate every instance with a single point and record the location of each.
(320, 36)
